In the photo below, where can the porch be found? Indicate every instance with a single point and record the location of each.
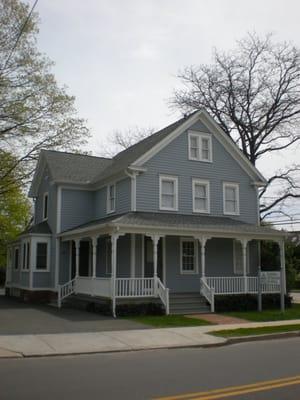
(146, 263)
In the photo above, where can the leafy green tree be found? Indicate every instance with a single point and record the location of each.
(35, 112)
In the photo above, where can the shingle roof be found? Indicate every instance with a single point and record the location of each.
(77, 168)
(178, 221)
(42, 228)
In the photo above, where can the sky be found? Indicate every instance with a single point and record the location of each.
(121, 58)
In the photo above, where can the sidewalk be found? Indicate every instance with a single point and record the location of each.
(98, 342)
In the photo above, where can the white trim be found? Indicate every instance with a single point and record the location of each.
(58, 209)
(170, 178)
(234, 242)
(219, 134)
(14, 258)
(143, 255)
(46, 194)
(133, 192)
(196, 266)
(33, 289)
(199, 136)
(206, 183)
(108, 199)
(236, 186)
(25, 261)
(70, 259)
(132, 255)
(34, 254)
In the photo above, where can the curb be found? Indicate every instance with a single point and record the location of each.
(268, 336)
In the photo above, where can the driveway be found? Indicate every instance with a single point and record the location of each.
(20, 318)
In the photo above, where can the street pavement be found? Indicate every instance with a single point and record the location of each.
(156, 374)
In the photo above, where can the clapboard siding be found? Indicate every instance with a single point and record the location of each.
(46, 186)
(77, 207)
(173, 160)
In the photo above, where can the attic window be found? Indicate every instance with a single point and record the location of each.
(45, 206)
(111, 198)
(200, 147)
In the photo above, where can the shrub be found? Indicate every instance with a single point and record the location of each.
(248, 302)
(124, 310)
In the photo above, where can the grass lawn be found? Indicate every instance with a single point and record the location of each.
(256, 331)
(268, 315)
(169, 321)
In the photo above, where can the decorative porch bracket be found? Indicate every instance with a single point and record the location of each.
(244, 243)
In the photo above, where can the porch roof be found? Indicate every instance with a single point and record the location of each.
(178, 224)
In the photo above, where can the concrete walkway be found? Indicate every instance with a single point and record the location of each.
(95, 342)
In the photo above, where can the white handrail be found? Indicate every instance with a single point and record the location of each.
(65, 290)
(208, 293)
(134, 287)
(163, 294)
(236, 285)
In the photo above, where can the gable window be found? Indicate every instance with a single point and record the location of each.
(16, 259)
(231, 198)
(41, 256)
(200, 147)
(238, 258)
(111, 198)
(168, 192)
(188, 256)
(201, 198)
(45, 206)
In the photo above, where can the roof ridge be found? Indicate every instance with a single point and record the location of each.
(76, 154)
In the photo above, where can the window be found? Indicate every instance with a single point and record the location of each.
(200, 147)
(45, 206)
(238, 258)
(26, 256)
(16, 260)
(201, 198)
(189, 259)
(41, 256)
(168, 188)
(231, 198)
(111, 198)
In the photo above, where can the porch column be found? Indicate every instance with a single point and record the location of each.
(77, 252)
(202, 240)
(282, 275)
(244, 243)
(94, 255)
(114, 241)
(155, 240)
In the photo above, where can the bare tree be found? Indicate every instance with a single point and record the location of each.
(122, 139)
(253, 92)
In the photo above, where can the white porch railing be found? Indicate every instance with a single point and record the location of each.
(64, 291)
(134, 287)
(239, 285)
(163, 294)
(208, 293)
(93, 286)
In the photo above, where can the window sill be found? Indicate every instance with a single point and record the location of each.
(229, 213)
(41, 270)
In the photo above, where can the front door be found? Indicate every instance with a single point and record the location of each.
(149, 266)
(84, 259)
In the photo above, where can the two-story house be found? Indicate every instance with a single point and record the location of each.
(174, 218)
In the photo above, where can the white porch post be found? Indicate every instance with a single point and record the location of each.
(244, 243)
(132, 255)
(202, 240)
(114, 241)
(155, 239)
(94, 255)
(77, 252)
(282, 275)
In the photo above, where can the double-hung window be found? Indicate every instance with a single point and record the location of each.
(231, 198)
(26, 256)
(45, 206)
(111, 198)
(189, 259)
(16, 258)
(201, 198)
(168, 193)
(200, 147)
(41, 256)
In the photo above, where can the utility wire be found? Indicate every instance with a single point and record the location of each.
(20, 34)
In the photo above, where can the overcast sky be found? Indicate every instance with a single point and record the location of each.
(120, 58)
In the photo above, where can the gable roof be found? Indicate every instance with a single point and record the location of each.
(89, 170)
(41, 228)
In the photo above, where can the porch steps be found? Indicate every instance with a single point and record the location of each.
(188, 303)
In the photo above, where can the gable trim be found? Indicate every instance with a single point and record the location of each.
(220, 135)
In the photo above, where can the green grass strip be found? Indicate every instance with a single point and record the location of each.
(268, 315)
(257, 331)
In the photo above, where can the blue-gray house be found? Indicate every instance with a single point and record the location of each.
(174, 218)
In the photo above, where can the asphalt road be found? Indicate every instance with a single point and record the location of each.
(151, 374)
